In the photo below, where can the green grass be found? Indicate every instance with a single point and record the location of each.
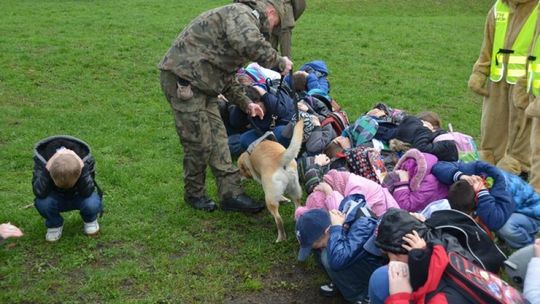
(88, 69)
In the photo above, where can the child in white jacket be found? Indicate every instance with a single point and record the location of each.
(532, 279)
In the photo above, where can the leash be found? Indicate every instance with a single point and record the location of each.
(294, 93)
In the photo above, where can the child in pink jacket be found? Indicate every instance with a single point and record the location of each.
(412, 184)
(339, 184)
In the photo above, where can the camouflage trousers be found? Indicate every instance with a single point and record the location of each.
(204, 140)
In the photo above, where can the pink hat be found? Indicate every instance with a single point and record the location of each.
(337, 180)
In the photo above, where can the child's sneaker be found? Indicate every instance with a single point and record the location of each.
(53, 234)
(91, 228)
(328, 290)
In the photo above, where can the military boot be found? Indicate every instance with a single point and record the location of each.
(241, 203)
(201, 203)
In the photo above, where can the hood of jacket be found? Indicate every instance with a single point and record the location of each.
(45, 148)
(317, 65)
(393, 226)
(351, 205)
(338, 180)
(407, 128)
(418, 165)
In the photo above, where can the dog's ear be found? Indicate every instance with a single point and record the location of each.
(243, 167)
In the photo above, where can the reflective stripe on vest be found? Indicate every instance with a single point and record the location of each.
(517, 56)
(533, 68)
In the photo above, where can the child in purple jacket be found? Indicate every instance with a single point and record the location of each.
(412, 184)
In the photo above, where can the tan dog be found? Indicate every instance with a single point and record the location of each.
(275, 168)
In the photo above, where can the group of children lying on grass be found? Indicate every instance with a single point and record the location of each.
(398, 209)
(392, 197)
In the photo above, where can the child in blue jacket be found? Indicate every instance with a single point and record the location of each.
(278, 110)
(312, 79)
(340, 239)
(509, 206)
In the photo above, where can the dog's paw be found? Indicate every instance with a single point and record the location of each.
(281, 238)
(283, 199)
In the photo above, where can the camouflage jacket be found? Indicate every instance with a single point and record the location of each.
(210, 50)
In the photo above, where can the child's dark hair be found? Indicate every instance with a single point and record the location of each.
(300, 81)
(462, 197)
(253, 94)
(431, 117)
(332, 149)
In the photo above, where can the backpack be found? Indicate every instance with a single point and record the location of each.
(478, 285)
(317, 105)
(465, 144)
(276, 85)
(330, 102)
(356, 203)
(338, 120)
(472, 240)
(366, 162)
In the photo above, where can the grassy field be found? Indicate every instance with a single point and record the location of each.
(88, 69)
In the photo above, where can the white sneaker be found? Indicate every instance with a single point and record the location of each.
(91, 228)
(53, 234)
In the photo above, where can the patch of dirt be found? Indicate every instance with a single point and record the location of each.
(287, 283)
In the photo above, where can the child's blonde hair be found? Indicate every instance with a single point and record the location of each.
(431, 117)
(65, 170)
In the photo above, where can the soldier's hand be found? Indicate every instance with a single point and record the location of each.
(288, 66)
(255, 110)
(477, 82)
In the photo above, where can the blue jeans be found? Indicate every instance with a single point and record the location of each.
(353, 281)
(379, 289)
(51, 206)
(250, 136)
(234, 145)
(519, 230)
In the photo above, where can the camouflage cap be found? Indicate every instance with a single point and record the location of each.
(278, 5)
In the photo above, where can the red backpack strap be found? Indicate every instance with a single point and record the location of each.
(481, 223)
(339, 121)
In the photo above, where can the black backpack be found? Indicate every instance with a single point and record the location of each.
(451, 225)
(274, 86)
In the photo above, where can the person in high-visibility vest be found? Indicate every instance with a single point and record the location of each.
(505, 130)
(527, 92)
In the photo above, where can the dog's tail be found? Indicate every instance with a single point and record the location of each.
(296, 144)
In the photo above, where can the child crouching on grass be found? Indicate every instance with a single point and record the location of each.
(341, 240)
(416, 268)
(508, 206)
(63, 180)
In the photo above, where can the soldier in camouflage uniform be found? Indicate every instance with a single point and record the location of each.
(200, 65)
(282, 36)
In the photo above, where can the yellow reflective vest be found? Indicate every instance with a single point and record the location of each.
(517, 55)
(533, 69)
